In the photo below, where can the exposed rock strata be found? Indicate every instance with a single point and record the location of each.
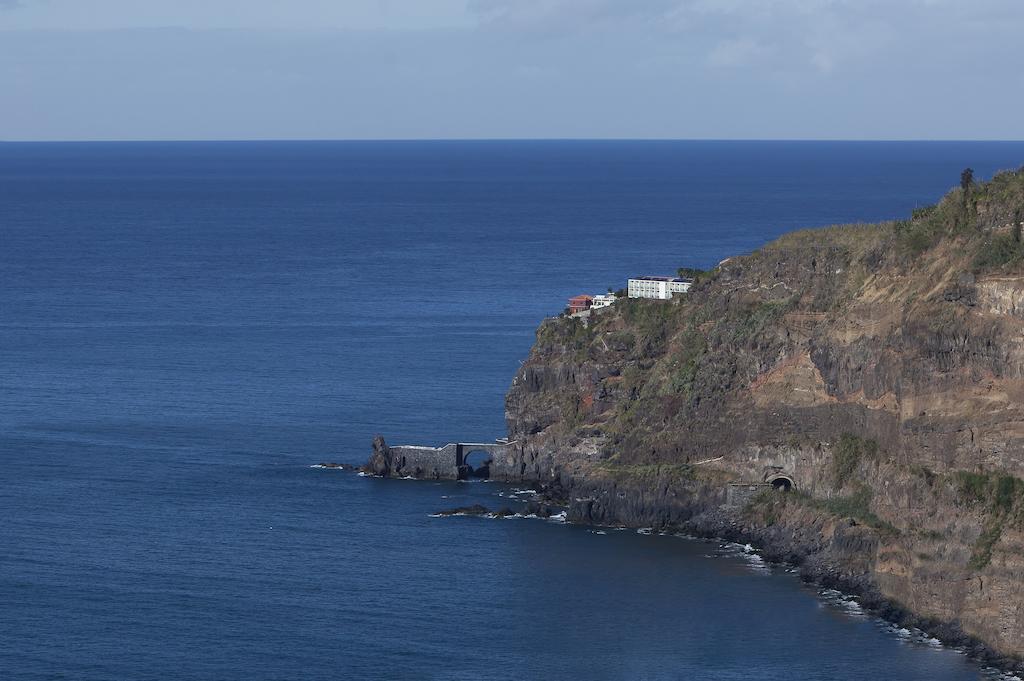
(879, 368)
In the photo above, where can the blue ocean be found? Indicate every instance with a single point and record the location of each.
(186, 329)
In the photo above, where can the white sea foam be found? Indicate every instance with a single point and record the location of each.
(745, 552)
(645, 530)
(556, 518)
(844, 602)
(754, 561)
(915, 636)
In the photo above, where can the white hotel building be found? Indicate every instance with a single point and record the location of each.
(660, 288)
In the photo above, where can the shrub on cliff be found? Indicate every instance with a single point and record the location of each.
(1000, 250)
(954, 214)
(697, 275)
(847, 456)
(686, 361)
(1000, 498)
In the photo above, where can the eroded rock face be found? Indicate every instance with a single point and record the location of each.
(380, 461)
(876, 371)
(887, 384)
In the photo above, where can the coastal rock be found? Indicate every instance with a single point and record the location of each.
(475, 510)
(849, 400)
(480, 510)
(540, 509)
(876, 372)
(380, 462)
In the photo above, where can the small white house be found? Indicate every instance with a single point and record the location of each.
(602, 300)
(659, 288)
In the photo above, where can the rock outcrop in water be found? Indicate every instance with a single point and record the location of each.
(877, 370)
(874, 371)
(381, 461)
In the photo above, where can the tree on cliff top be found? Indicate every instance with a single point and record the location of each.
(966, 180)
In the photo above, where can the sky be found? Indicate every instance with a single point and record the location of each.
(414, 69)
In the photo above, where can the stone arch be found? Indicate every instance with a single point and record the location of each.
(781, 482)
(475, 462)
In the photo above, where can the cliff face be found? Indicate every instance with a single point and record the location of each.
(879, 369)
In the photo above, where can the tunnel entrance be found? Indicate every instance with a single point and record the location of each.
(781, 483)
(478, 464)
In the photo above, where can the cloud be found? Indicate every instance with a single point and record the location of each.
(736, 52)
(517, 68)
(239, 14)
(566, 15)
(821, 36)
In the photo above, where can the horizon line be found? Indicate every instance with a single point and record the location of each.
(271, 140)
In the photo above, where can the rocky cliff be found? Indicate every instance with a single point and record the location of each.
(876, 371)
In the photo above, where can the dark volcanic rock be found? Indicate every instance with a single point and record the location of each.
(542, 509)
(379, 462)
(475, 509)
(878, 369)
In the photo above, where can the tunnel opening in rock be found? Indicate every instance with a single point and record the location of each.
(781, 484)
(478, 464)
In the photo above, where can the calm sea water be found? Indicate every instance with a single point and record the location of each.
(186, 328)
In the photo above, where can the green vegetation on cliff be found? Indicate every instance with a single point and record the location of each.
(878, 369)
(661, 371)
(1000, 498)
(988, 216)
(848, 454)
(770, 507)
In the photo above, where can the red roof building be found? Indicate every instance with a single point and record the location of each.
(580, 303)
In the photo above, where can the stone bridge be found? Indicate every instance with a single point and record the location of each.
(448, 462)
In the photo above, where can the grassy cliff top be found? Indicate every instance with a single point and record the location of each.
(842, 318)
